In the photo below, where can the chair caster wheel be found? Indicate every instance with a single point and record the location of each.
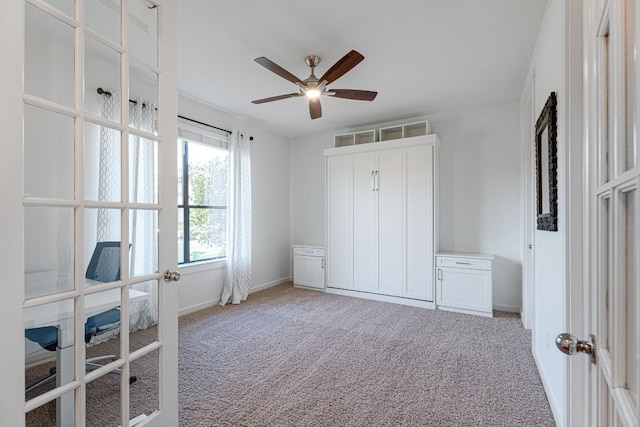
(133, 379)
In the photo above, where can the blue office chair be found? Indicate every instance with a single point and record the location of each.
(104, 266)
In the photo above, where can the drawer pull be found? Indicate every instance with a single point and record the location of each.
(463, 263)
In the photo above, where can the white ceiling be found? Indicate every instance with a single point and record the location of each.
(421, 56)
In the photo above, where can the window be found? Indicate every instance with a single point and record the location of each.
(202, 199)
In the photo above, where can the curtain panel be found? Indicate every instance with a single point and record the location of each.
(238, 259)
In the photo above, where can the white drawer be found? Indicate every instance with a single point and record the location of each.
(458, 262)
(308, 251)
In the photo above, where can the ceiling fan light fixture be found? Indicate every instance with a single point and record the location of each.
(313, 93)
(313, 87)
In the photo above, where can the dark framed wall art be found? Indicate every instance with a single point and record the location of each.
(547, 166)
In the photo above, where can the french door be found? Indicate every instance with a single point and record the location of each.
(612, 95)
(90, 112)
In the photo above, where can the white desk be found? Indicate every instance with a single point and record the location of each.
(61, 315)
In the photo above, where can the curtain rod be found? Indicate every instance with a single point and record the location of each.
(108, 94)
(205, 124)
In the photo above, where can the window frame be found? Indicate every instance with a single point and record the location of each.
(192, 134)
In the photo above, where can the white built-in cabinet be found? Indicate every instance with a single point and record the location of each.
(465, 283)
(381, 208)
(308, 266)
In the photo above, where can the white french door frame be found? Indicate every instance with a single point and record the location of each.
(12, 225)
(528, 218)
(12, 24)
(575, 213)
(606, 89)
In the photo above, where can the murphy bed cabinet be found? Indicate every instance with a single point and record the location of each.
(381, 208)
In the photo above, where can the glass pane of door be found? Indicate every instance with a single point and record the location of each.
(630, 286)
(143, 165)
(49, 254)
(102, 73)
(49, 357)
(143, 314)
(143, 30)
(104, 400)
(143, 93)
(48, 154)
(46, 414)
(143, 229)
(632, 108)
(144, 397)
(65, 6)
(102, 168)
(49, 58)
(103, 17)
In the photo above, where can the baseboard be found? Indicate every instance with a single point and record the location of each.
(382, 298)
(211, 303)
(269, 284)
(507, 308)
(555, 410)
(465, 311)
(198, 307)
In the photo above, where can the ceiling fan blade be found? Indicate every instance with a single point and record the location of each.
(273, 67)
(276, 98)
(315, 109)
(360, 95)
(341, 67)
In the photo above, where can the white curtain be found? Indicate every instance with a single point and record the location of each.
(238, 259)
(109, 172)
(143, 224)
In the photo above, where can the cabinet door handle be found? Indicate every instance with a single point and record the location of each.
(323, 263)
(439, 274)
(377, 181)
(373, 181)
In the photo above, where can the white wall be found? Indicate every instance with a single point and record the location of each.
(201, 285)
(549, 247)
(479, 189)
(307, 188)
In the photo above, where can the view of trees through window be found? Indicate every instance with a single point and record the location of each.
(202, 217)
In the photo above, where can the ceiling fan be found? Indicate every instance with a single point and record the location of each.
(312, 87)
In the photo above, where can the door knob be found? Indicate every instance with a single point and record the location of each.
(171, 276)
(569, 344)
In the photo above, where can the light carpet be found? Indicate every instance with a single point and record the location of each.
(292, 357)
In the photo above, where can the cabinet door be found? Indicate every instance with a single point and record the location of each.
(365, 221)
(308, 271)
(420, 222)
(390, 187)
(340, 221)
(465, 289)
